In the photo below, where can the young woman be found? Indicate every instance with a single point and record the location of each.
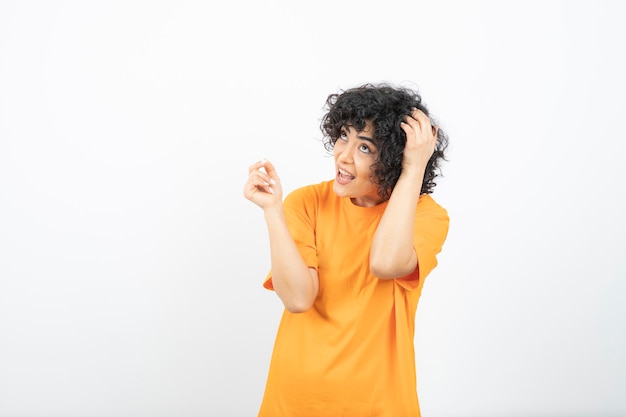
(349, 258)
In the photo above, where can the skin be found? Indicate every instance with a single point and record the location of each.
(354, 154)
(294, 282)
(392, 254)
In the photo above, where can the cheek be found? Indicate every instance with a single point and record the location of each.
(338, 148)
(366, 163)
(368, 172)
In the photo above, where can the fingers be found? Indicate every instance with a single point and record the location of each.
(261, 177)
(260, 182)
(271, 170)
(257, 165)
(417, 121)
(421, 139)
(270, 175)
(419, 129)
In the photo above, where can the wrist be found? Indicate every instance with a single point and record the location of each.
(273, 210)
(412, 173)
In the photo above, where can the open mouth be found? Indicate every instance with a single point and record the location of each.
(344, 177)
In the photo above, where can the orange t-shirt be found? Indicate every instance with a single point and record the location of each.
(352, 353)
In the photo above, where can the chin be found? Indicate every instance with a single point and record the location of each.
(340, 190)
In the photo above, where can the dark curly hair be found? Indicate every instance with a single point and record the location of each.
(385, 106)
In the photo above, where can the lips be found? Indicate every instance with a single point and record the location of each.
(344, 177)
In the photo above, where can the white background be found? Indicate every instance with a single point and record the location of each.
(131, 265)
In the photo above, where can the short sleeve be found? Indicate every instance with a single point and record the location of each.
(300, 212)
(430, 232)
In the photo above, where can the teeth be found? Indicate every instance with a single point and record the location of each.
(342, 172)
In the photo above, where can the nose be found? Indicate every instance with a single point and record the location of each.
(343, 152)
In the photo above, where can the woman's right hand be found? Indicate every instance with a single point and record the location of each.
(263, 186)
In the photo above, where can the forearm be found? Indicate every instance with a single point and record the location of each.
(294, 282)
(392, 254)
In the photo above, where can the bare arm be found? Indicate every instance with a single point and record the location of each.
(295, 283)
(392, 254)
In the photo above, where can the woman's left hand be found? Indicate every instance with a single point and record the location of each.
(421, 138)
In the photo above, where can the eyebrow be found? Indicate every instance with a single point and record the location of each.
(361, 137)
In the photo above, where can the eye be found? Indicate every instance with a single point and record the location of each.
(343, 135)
(364, 148)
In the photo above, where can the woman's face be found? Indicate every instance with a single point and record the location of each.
(354, 154)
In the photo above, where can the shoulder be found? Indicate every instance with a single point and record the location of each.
(430, 217)
(303, 204)
(427, 204)
(310, 194)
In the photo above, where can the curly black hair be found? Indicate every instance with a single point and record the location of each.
(385, 106)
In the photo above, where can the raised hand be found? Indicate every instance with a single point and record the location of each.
(263, 186)
(421, 138)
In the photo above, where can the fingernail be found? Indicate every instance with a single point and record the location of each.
(271, 191)
(263, 161)
(272, 181)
